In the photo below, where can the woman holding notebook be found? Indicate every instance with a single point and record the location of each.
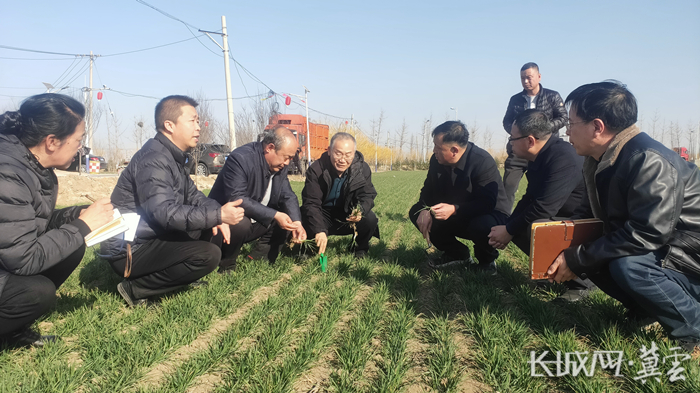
(39, 246)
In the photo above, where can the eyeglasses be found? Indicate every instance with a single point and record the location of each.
(511, 139)
(568, 124)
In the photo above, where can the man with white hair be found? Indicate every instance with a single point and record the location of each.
(338, 196)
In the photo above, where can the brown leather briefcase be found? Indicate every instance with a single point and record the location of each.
(551, 238)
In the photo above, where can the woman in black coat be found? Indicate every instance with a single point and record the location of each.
(39, 246)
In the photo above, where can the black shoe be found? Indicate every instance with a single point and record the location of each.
(639, 317)
(488, 268)
(27, 338)
(199, 284)
(448, 262)
(124, 289)
(359, 254)
(573, 295)
(689, 346)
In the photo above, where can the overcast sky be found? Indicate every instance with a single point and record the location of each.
(412, 59)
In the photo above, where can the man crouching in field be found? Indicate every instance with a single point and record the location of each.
(257, 174)
(649, 199)
(338, 196)
(166, 252)
(463, 197)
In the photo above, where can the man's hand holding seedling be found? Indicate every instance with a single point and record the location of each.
(321, 242)
(298, 233)
(355, 214)
(443, 211)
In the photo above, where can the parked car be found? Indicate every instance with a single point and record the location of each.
(80, 159)
(208, 158)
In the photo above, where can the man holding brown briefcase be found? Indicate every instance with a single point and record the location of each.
(649, 199)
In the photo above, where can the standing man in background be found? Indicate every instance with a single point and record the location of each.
(533, 96)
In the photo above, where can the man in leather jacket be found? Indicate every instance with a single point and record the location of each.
(338, 196)
(649, 199)
(533, 96)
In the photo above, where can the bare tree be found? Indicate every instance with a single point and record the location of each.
(654, 120)
(140, 131)
(402, 141)
(487, 139)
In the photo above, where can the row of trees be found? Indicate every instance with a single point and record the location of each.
(404, 147)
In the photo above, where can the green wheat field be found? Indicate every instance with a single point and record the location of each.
(385, 323)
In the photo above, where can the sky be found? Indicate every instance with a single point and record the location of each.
(412, 59)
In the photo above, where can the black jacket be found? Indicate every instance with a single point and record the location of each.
(649, 199)
(158, 187)
(548, 101)
(555, 186)
(477, 190)
(357, 188)
(33, 236)
(245, 176)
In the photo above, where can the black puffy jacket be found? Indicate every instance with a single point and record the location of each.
(357, 189)
(158, 187)
(477, 189)
(548, 101)
(33, 236)
(649, 199)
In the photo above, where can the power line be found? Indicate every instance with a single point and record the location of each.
(30, 58)
(166, 14)
(181, 21)
(38, 51)
(68, 70)
(153, 47)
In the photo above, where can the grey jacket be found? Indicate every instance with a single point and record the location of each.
(33, 236)
(158, 187)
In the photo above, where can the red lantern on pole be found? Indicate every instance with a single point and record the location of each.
(206, 124)
(346, 122)
(288, 100)
(99, 95)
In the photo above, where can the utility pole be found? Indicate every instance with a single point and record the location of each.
(308, 130)
(352, 124)
(89, 121)
(227, 71)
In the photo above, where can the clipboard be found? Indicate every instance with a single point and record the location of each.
(550, 238)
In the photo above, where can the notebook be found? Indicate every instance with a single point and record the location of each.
(550, 238)
(125, 224)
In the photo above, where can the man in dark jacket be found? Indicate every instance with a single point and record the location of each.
(533, 96)
(649, 199)
(256, 173)
(462, 197)
(166, 252)
(339, 194)
(554, 186)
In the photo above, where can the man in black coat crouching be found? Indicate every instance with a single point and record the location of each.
(166, 252)
(338, 196)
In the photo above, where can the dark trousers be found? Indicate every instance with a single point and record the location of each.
(271, 239)
(444, 234)
(522, 240)
(641, 284)
(26, 298)
(514, 168)
(338, 225)
(163, 265)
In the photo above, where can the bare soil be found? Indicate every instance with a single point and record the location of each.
(73, 186)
